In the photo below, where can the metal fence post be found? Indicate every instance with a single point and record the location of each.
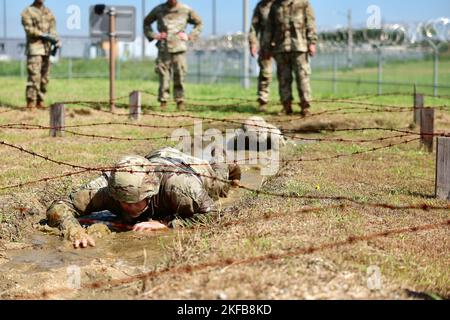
(436, 70)
(22, 67)
(70, 69)
(335, 73)
(380, 71)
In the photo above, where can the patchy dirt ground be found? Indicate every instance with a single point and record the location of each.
(243, 253)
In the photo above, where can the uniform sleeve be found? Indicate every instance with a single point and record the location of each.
(255, 29)
(53, 30)
(93, 197)
(185, 196)
(269, 30)
(148, 21)
(196, 21)
(30, 29)
(311, 28)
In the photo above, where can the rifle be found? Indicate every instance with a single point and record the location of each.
(54, 50)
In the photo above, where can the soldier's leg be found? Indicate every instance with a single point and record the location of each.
(302, 72)
(179, 73)
(45, 79)
(163, 69)
(284, 74)
(34, 65)
(264, 79)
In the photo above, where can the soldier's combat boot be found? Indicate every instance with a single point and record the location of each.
(287, 108)
(163, 106)
(262, 105)
(41, 105)
(305, 109)
(30, 106)
(181, 106)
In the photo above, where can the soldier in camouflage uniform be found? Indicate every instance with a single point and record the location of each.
(256, 36)
(172, 19)
(40, 28)
(165, 189)
(292, 35)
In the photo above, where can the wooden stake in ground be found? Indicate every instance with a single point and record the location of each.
(418, 106)
(57, 120)
(427, 128)
(443, 168)
(135, 105)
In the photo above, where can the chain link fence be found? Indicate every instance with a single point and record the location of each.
(393, 58)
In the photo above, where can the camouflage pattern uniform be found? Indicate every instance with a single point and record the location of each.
(291, 29)
(36, 23)
(256, 36)
(172, 51)
(170, 181)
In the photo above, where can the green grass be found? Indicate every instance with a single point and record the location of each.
(138, 74)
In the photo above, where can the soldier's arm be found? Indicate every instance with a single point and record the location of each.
(196, 21)
(192, 211)
(91, 198)
(30, 29)
(53, 30)
(255, 29)
(311, 28)
(148, 21)
(184, 199)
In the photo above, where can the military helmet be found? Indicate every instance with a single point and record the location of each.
(133, 180)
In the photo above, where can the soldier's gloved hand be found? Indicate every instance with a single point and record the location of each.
(253, 51)
(49, 38)
(183, 36)
(149, 226)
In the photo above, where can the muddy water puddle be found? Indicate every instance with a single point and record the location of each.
(49, 252)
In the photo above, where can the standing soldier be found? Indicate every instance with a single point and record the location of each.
(172, 19)
(40, 27)
(257, 31)
(292, 35)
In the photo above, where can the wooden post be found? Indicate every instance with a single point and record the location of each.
(57, 120)
(418, 106)
(135, 105)
(443, 168)
(427, 128)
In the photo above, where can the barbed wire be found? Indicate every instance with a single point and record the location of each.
(112, 138)
(103, 169)
(175, 170)
(188, 269)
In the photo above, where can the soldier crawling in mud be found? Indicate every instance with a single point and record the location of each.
(40, 27)
(163, 190)
(172, 17)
